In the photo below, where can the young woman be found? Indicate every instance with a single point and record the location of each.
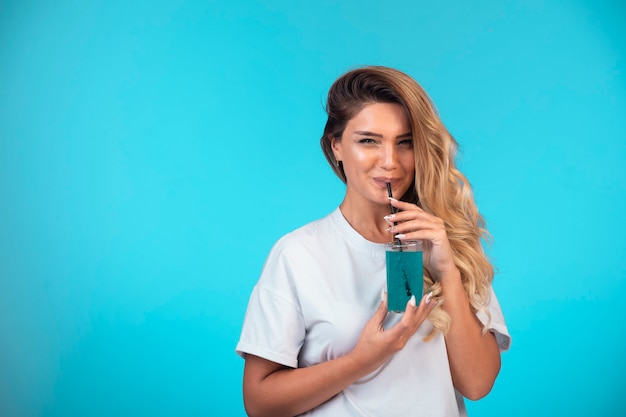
(317, 337)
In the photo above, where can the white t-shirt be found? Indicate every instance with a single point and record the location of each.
(320, 284)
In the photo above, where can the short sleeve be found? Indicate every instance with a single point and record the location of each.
(273, 326)
(495, 323)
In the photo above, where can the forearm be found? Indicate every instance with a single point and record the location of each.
(289, 392)
(474, 358)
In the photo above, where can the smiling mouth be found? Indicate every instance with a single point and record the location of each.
(382, 182)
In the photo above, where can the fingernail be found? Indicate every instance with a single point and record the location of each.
(383, 294)
(400, 236)
(428, 297)
(389, 216)
(392, 199)
(412, 301)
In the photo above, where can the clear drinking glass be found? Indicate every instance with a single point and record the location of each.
(405, 276)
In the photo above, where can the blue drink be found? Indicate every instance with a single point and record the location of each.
(404, 274)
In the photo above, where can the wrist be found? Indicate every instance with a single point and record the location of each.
(449, 275)
(453, 290)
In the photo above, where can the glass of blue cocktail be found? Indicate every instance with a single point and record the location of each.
(405, 276)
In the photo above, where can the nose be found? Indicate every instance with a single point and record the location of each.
(388, 156)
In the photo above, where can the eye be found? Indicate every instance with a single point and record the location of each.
(367, 141)
(406, 142)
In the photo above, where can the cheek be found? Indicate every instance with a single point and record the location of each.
(408, 162)
(357, 163)
(360, 156)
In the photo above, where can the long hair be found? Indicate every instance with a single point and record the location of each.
(439, 187)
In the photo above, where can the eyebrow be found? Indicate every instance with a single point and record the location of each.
(378, 135)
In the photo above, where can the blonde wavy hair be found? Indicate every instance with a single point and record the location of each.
(439, 187)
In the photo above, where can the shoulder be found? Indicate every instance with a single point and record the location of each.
(294, 255)
(306, 238)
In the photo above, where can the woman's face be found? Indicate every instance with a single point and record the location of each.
(377, 147)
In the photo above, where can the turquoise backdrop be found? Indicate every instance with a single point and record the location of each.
(151, 152)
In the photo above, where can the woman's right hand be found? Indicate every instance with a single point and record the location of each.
(376, 344)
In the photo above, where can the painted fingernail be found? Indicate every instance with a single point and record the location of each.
(400, 236)
(383, 294)
(392, 199)
(428, 297)
(389, 216)
(412, 301)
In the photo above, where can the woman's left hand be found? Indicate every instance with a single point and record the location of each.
(413, 223)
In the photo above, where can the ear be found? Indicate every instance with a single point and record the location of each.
(335, 144)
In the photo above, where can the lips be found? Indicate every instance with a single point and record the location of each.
(382, 181)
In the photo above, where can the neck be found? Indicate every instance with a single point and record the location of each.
(367, 219)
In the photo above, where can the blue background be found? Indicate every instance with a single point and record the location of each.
(152, 152)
